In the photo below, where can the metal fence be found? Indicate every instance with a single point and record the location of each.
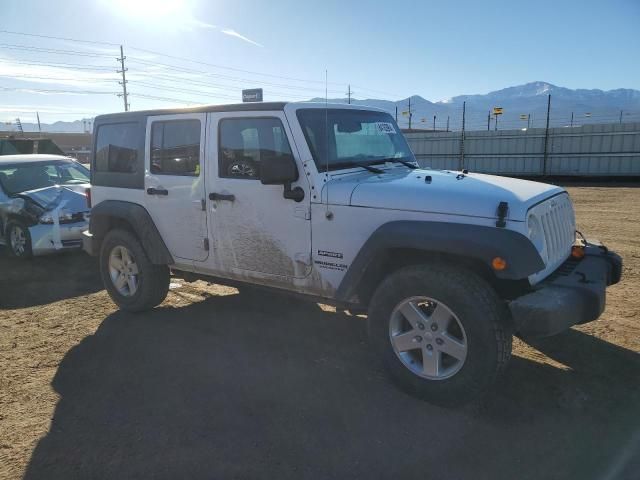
(590, 150)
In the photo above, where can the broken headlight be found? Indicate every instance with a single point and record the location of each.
(63, 215)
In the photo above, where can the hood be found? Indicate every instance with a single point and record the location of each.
(447, 192)
(69, 198)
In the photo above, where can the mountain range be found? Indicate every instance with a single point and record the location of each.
(521, 104)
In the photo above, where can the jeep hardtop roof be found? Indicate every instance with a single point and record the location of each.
(234, 107)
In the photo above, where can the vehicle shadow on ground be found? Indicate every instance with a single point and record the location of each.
(47, 279)
(234, 387)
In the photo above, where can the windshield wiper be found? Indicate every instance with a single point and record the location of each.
(398, 160)
(368, 167)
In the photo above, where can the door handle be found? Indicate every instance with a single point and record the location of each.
(222, 196)
(157, 191)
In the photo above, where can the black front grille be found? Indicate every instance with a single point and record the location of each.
(565, 269)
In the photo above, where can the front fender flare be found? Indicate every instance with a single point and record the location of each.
(138, 218)
(473, 241)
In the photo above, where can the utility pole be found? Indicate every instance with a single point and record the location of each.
(124, 94)
(546, 138)
(434, 123)
(349, 95)
(489, 121)
(528, 120)
(447, 123)
(495, 129)
(571, 119)
(39, 126)
(464, 110)
(620, 116)
(410, 114)
(396, 113)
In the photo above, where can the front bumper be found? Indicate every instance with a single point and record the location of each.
(88, 244)
(575, 293)
(50, 238)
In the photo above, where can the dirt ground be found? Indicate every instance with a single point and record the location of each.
(216, 384)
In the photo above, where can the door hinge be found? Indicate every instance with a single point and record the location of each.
(203, 204)
(205, 244)
(302, 212)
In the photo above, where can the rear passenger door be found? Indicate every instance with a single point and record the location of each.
(174, 183)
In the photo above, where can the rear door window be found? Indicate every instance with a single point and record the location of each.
(175, 147)
(117, 148)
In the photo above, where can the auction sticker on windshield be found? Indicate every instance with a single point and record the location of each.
(385, 127)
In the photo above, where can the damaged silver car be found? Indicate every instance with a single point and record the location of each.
(43, 204)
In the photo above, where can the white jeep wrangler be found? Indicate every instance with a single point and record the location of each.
(326, 201)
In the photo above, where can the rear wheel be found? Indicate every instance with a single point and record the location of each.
(18, 239)
(442, 332)
(132, 281)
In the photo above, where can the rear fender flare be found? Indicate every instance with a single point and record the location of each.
(140, 222)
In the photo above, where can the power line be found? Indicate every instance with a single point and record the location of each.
(175, 57)
(59, 38)
(218, 75)
(7, 46)
(60, 65)
(43, 90)
(153, 97)
(38, 77)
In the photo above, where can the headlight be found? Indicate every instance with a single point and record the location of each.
(63, 215)
(536, 235)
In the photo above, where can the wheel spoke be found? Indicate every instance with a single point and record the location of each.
(124, 254)
(431, 362)
(134, 268)
(413, 314)
(406, 341)
(132, 284)
(120, 281)
(440, 315)
(116, 263)
(452, 346)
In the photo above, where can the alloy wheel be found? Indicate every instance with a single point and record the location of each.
(124, 271)
(428, 338)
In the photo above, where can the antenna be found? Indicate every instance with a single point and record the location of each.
(327, 213)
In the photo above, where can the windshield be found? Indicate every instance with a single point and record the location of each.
(22, 177)
(352, 137)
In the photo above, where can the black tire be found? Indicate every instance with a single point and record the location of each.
(152, 280)
(482, 314)
(27, 251)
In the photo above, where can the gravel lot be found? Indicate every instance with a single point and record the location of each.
(216, 384)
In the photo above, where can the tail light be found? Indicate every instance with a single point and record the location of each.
(87, 192)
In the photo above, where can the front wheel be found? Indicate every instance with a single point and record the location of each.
(18, 239)
(132, 281)
(442, 332)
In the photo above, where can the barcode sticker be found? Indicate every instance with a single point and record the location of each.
(385, 127)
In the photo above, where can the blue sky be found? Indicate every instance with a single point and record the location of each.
(384, 49)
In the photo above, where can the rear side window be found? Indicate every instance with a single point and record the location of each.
(247, 142)
(175, 147)
(117, 148)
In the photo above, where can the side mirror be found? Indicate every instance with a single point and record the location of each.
(278, 170)
(281, 170)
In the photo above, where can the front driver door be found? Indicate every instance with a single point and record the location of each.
(255, 230)
(174, 183)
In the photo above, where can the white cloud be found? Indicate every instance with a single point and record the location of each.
(233, 33)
